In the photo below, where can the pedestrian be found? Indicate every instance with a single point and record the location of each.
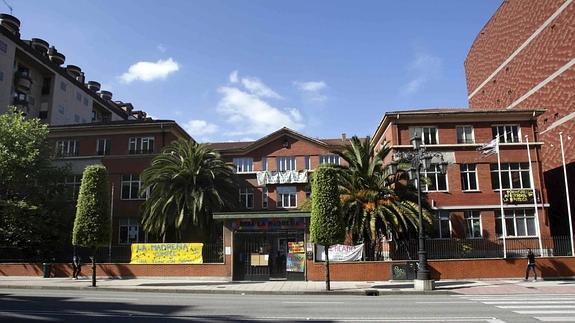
(530, 265)
(77, 264)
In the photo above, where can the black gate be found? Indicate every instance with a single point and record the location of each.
(264, 255)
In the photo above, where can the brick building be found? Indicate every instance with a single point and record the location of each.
(466, 199)
(523, 59)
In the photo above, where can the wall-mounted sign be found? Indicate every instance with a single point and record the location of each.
(295, 247)
(523, 196)
(269, 224)
(167, 253)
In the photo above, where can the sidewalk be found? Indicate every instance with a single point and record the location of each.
(293, 287)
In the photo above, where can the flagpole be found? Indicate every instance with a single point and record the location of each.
(567, 195)
(531, 178)
(503, 224)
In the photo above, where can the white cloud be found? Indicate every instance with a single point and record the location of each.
(312, 90)
(200, 128)
(161, 48)
(423, 68)
(248, 114)
(258, 88)
(234, 77)
(150, 71)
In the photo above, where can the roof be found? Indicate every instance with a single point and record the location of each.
(120, 124)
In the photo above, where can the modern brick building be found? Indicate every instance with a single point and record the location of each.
(524, 59)
(466, 199)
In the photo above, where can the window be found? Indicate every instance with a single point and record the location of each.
(72, 184)
(46, 84)
(76, 118)
(428, 135)
(131, 186)
(67, 148)
(61, 109)
(443, 226)
(306, 163)
(465, 135)
(247, 197)
(329, 159)
(129, 230)
(513, 175)
(1, 76)
(265, 198)
(3, 47)
(307, 190)
(287, 196)
(63, 86)
(78, 96)
(85, 101)
(104, 146)
(286, 163)
(468, 177)
(518, 223)
(506, 133)
(264, 163)
(473, 224)
(141, 145)
(243, 165)
(434, 180)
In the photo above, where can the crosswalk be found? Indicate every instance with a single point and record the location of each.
(545, 308)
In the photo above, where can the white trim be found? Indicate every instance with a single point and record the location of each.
(480, 224)
(520, 48)
(502, 144)
(465, 126)
(466, 173)
(487, 207)
(542, 84)
(559, 122)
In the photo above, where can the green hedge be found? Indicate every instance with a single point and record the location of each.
(327, 225)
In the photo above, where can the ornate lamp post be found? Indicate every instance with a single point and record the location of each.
(420, 158)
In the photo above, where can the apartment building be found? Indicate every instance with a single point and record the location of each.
(466, 199)
(270, 231)
(34, 78)
(126, 148)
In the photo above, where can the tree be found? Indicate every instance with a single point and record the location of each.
(187, 182)
(375, 203)
(92, 227)
(327, 227)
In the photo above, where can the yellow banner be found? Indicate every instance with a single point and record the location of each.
(167, 253)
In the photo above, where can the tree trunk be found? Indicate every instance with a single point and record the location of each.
(327, 287)
(94, 267)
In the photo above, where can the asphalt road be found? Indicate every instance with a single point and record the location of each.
(107, 306)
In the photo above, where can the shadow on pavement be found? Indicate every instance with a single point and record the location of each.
(438, 285)
(75, 309)
(182, 284)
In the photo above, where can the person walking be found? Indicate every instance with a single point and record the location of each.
(530, 265)
(77, 264)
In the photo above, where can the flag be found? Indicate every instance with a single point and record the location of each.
(489, 148)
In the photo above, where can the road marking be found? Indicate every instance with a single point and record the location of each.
(546, 312)
(555, 318)
(446, 302)
(313, 302)
(107, 299)
(527, 302)
(536, 306)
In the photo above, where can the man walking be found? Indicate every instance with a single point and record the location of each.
(530, 265)
(77, 264)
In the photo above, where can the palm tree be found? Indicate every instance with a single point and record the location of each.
(375, 203)
(186, 183)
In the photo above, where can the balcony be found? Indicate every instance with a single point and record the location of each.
(284, 177)
(23, 81)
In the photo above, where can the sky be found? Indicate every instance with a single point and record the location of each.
(241, 69)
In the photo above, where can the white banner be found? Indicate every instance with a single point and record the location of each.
(340, 252)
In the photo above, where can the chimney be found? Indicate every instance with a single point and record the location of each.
(93, 86)
(343, 136)
(106, 95)
(11, 23)
(40, 45)
(73, 71)
(55, 57)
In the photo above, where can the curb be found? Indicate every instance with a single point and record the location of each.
(367, 292)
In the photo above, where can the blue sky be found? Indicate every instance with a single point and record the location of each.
(237, 70)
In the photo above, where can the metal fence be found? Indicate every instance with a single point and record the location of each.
(477, 248)
(212, 253)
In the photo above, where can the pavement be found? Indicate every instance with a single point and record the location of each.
(371, 288)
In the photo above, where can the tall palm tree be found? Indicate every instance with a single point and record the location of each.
(374, 202)
(186, 183)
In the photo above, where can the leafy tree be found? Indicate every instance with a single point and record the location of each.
(327, 227)
(375, 203)
(92, 227)
(187, 182)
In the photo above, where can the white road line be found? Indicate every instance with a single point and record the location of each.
(536, 306)
(555, 318)
(446, 302)
(106, 299)
(313, 302)
(527, 302)
(546, 312)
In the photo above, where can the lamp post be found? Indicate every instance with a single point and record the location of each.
(420, 158)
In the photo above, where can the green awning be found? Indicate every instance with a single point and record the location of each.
(260, 215)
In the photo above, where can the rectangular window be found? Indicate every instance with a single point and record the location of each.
(307, 191)
(128, 230)
(428, 134)
(306, 163)
(329, 159)
(518, 223)
(286, 163)
(72, 184)
(506, 133)
(1, 76)
(3, 47)
(103, 147)
(433, 180)
(468, 177)
(265, 198)
(473, 224)
(141, 145)
(67, 148)
(85, 101)
(243, 165)
(63, 86)
(513, 175)
(443, 225)
(46, 84)
(76, 118)
(247, 197)
(465, 135)
(78, 96)
(287, 197)
(131, 186)
(264, 163)
(61, 109)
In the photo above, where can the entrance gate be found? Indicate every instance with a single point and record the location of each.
(264, 255)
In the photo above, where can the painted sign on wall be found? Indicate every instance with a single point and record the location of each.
(167, 253)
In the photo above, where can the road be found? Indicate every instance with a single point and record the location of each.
(107, 306)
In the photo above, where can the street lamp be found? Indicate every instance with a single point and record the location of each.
(420, 158)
